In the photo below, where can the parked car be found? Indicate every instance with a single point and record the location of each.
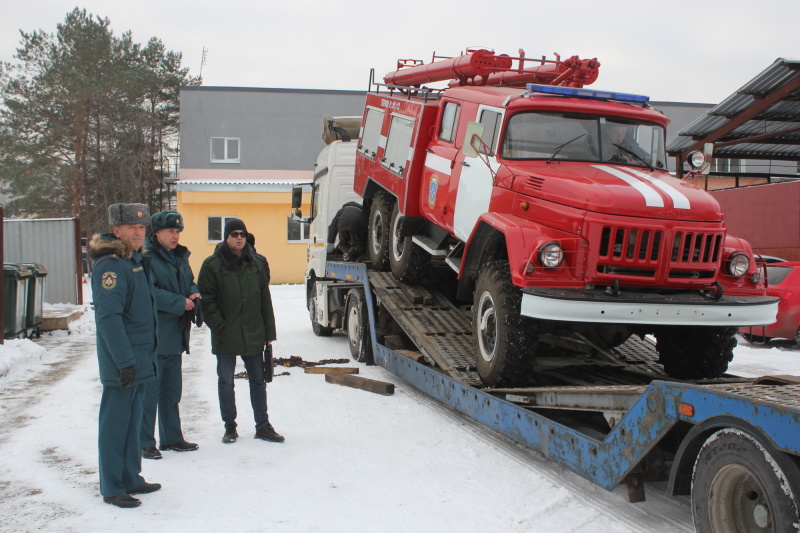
(784, 282)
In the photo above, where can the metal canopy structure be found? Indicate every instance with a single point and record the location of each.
(760, 121)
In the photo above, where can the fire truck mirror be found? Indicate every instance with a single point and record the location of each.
(297, 197)
(472, 139)
(708, 152)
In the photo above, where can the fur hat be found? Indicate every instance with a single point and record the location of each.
(233, 225)
(128, 214)
(166, 220)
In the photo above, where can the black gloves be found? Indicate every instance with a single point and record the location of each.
(197, 317)
(194, 316)
(127, 377)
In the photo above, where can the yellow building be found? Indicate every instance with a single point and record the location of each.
(262, 199)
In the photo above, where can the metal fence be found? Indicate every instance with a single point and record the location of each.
(53, 243)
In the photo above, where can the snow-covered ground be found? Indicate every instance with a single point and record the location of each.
(352, 461)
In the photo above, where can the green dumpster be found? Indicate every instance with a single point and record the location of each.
(35, 309)
(15, 299)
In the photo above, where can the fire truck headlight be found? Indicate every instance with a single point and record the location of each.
(550, 254)
(738, 263)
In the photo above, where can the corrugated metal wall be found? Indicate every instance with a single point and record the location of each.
(765, 215)
(51, 243)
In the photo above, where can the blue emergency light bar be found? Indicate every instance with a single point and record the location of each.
(588, 93)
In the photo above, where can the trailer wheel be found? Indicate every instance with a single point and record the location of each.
(695, 352)
(378, 234)
(319, 330)
(357, 325)
(505, 343)
(409, 262)
(737, 485)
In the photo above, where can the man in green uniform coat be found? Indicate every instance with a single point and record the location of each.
(127, 333)
(175, 294)
(238, 309)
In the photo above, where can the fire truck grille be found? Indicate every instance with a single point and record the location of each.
(638, 252)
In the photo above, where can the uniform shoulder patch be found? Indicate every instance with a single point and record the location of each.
(108, 280)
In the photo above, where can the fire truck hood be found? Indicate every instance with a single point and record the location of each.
(615, 189)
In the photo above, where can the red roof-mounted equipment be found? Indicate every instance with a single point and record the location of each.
(484, 67)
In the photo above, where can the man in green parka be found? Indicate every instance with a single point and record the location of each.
(175, 294)
(238, 309)
(127, 335)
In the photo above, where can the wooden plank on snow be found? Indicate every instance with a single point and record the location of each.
(357, 382)
(331, 369)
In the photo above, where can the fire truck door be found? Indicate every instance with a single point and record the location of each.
(476, 179)
(439, 168)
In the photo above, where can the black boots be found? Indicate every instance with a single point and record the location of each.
(122, 500)
(230, 433)
(151, 452)
(181, 446)
(267, 432)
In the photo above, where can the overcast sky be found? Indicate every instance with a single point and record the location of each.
(683, 51)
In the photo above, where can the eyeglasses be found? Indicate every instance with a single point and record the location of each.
(238, 234)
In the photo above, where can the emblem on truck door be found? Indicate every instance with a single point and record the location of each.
(433, 187)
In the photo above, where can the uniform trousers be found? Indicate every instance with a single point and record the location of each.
(119, 438)
(163, 396)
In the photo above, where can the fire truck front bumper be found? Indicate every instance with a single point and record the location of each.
(587, 305)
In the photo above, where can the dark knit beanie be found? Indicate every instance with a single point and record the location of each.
(233, 225)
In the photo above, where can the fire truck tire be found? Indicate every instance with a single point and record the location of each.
(319, 330)
(357, 326)
(738, 485)
(695, 352)
(409, 262)
(380, 214)
(504, 341)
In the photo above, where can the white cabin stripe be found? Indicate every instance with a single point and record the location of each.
(438, 163)
(651, 197)
(678, 199)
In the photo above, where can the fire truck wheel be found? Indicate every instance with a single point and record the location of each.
(319, 331)
(409, 262)
(378, 232)
(504, 342)
(695, 352)
(357, 330)
(738, 485)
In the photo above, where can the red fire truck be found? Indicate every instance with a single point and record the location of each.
(553, 206)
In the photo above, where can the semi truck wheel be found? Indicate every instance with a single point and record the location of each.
(409, 262)
(378, 232)
(319, 330)
(739, 486)
(357, 325)
(505, 344)
(695, 352)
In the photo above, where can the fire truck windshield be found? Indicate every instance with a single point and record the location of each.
(577, 137)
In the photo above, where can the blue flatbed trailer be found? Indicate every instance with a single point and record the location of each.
(734, 445)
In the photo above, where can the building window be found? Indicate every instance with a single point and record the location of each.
(224, 149)
(297, 231)
(723, 165)
(216, 226)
